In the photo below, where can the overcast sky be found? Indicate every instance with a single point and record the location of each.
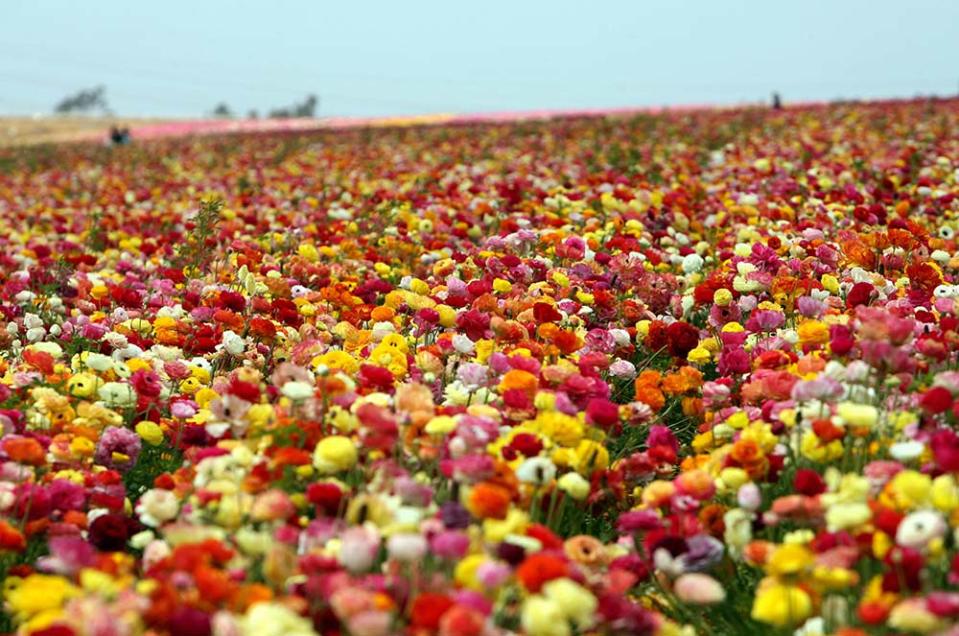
(181, 57)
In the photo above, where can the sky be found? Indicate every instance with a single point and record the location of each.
(399, 57)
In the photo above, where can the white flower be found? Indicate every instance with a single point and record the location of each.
(692, 263)
(274, 619)
(406, 546)
(156, 506)
(382, 329)
(906, 451)
(919, 528)
(463, 344)
(98, 362)
(233, 343)
(117, 394)
(297, 390)
(620, 337)
(536, 470)
(115, 340)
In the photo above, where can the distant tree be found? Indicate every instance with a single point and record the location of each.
(84, 101)
(253, 114)
(306, 108)
(222, 111)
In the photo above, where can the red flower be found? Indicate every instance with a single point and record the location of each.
(232, 300)
(808, 482)
(375, 377)
(244, 390)
(262, 329)
(945, 450)
(681, 338)
(860, 294)
(474, 323)
(146, 383)
(545, 312)
(39, 360)
(936, 400)
(602, 413)
(325, 496)
(428, 609)
(110, 532)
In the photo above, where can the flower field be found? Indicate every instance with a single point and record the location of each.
(673, 374)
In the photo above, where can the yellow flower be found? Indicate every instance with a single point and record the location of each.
(190, 385)
(563, 429)
(738, 420)
(789, 559)
(813, 332)
(909, 489)
(858, 415)
(40, 593)
(150, 432)
(781, 605)
(590, 455)
(334, 454)
(496, 530)
(440, 425)
(574, 485)
(259, 415)
(722, 297)
(844, 516)
(83, 385)
(484, 349)
(830, 283)
(339, 360)
(501, 286)
(544, 617)
(447, 315)
(309, 252)
(813, 448)
(699, 355)
(945, 493)
(465, 572)
(82, 447)
(204, 396)
(578, 603)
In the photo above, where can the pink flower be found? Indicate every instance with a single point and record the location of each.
(699, 589)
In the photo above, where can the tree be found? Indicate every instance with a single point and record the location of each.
(306, 108)
(84, 101)
(222, 111)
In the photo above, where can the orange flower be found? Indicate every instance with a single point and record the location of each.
(250, 594)
(25, 450)
(693, 407)
(746, 451)
(567, 342)
(382, 314)
(684, 380)
(711, 517)
(11, 538)
(489, 501)
(858, 253)
(648, 391)
(519, 379)
(539, 569)
(585, 550)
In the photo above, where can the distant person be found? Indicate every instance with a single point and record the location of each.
(777, 102)
(119, 136)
